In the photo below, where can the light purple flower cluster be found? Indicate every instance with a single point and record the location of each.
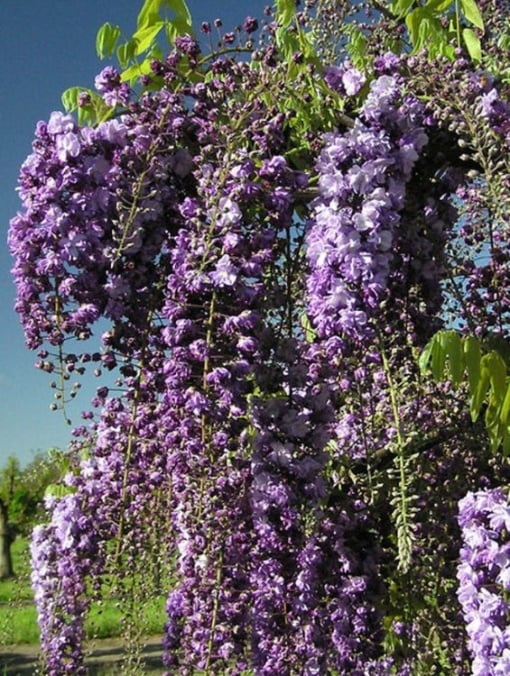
(63, 554)
(236, 444)
(85, 242)
(99, 207)
(355, 222)
(484, 579)
(114, 92)
(220, 343)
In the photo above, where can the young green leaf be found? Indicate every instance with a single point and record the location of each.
(106, 40)
(357, 46)
(480, 391)
(472, 42)
(504, 413)
(401, 7)
(146, 37)
(126, 52)
(425, 356)
(451, 343)
(285, 11)
(133, 72)
(438, 6)
(181, 10)
(438, 359)
(149, 14)
(473, 356)
(497, 374)
(310, 333)
(70, 98)
(472, 13)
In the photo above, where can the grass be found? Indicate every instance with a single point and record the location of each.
(18, 619)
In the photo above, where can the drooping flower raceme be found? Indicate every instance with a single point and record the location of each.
(355, 221)
(484, 579)
(239, 447)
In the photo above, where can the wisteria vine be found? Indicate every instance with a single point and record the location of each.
(268, 273)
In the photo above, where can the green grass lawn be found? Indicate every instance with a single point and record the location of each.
(18, 620)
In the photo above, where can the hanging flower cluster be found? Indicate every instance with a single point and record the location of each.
(266, 291)
(484, 578)
(353, 237)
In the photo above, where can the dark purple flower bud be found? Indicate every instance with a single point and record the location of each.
(187, 45)
(250, 25)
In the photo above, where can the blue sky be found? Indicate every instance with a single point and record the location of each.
(48, 46)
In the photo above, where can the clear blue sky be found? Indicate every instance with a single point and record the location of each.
(48, 46)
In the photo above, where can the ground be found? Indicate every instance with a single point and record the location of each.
(104, 658)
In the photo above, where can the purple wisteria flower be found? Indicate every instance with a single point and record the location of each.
(484, 579)
(108, 83)
(345, 79)
(355, 224)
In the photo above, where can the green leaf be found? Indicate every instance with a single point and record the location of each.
(480, 391)
(286, 41)
(106, 40)
(497, 374)
(181, 26)
(423, 361)
(181, 9)
(472, 13)
(146, 37)
(500, 345)
(126, 52)
(438, 360)
(285, 12)
(472, 42)
(473, 356)
(133, 72)
(401, 7)
(58, 490)
(357, 46)
(149, 14)
(505, 407)
(438, 5)
(495, 430)
(70, 98)
(413, 25)
(310, 333)
(451, 343)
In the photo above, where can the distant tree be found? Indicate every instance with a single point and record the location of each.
(21, 495)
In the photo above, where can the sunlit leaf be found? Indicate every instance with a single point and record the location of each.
(106, 40)
(472, 42)
(473, 356)
(308, 329)
(401, 7)
(181, 10)
(149, 14)
(438, 5)
(472, 13)
(126, 52)
(145, 37)
(285, 11)
(480, 391)
(497, 374)
(70, 98)
(451, 343)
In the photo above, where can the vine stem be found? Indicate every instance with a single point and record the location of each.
(129, 452)
(214, 619)
(403, 543)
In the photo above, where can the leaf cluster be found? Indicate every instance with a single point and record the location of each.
(441, 26)
(468, 360)
(134, 54)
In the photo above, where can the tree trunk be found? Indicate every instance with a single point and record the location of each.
(6, 569)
